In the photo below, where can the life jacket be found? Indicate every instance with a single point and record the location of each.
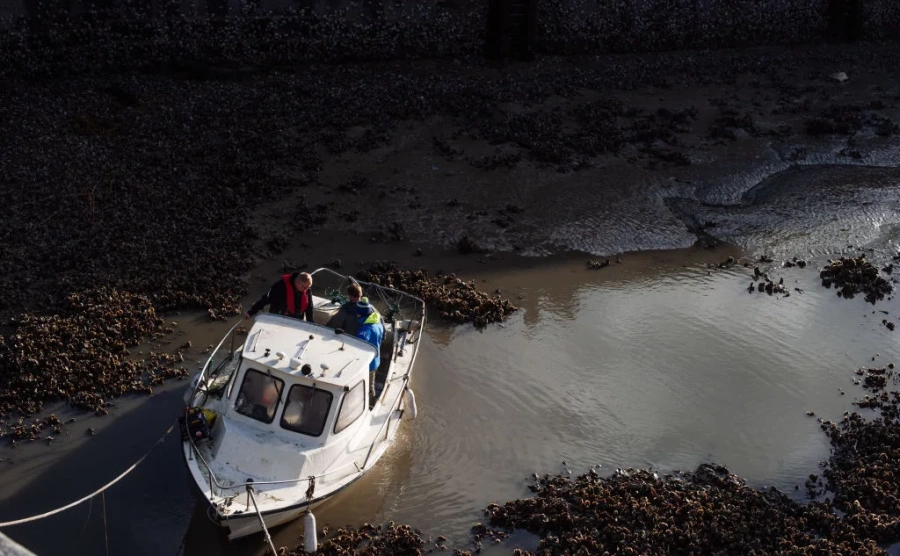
(372, 319)
(290, 309)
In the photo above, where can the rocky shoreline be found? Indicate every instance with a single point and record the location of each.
(105, 176)
(134, 195)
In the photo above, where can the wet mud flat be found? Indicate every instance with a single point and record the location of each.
(151, 193)
(134, 196)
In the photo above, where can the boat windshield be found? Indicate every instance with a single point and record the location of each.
(306, 410)
(259, 395)
(352, 406)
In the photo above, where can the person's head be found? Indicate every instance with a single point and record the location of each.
(303, 281)
(354, 293)
(364, 308)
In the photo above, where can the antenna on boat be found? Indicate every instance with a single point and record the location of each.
(340, 332)
(337, 374)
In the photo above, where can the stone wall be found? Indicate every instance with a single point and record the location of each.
(81, 35)
(646, 25)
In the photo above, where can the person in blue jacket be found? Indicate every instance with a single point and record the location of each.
(371, 330)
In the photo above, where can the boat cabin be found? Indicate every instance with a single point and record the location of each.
(300, 380)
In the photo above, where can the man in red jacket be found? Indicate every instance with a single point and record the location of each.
(291, 296)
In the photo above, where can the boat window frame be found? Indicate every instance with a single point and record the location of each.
(229, 388)
(325, 418)
(362, 411)
(266, 376)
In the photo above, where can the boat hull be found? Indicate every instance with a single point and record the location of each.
(286, 473)
(248, 522)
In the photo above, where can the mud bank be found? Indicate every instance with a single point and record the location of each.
(42, 36)
(168, 189)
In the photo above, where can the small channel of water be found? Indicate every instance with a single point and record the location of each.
(660, 362)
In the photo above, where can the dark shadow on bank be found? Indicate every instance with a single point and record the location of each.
(147, 512)
(511, 29)
(845, 20)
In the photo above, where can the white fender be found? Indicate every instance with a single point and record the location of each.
(310, 543)
(410, 400)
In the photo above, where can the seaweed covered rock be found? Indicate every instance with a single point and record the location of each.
(708, 511)
(855, 275)
(397, 540)
(455, 300)
(863, 470)
(82, 355)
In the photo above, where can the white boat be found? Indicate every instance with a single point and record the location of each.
(289, 414)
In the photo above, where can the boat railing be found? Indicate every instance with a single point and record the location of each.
(202, 378)
(385, 424)
(389, 289)
(214, 482)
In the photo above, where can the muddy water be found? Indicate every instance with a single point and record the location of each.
(660, 361)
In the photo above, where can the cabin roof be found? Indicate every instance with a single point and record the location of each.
(311, 344)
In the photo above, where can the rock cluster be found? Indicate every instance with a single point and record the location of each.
(399, 540)
(708, 511)
(80, 355)
(762, 283)
(851, 276)
(862, 469)
(453, 299)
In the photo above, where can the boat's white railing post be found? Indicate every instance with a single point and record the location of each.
(212, 494)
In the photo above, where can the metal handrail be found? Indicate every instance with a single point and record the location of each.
(213, 480)
(210, 360)
(386, 421)
(388, 288)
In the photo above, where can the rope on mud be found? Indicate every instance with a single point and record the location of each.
(96, 492)
(105, 528)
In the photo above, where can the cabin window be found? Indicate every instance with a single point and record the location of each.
(352, 407)
(259, 395)
(306, 409)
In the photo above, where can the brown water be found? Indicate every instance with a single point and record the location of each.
(657, 362)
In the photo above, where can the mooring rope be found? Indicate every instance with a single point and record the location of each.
(105, 528)
(96, 492)
(262, 522)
